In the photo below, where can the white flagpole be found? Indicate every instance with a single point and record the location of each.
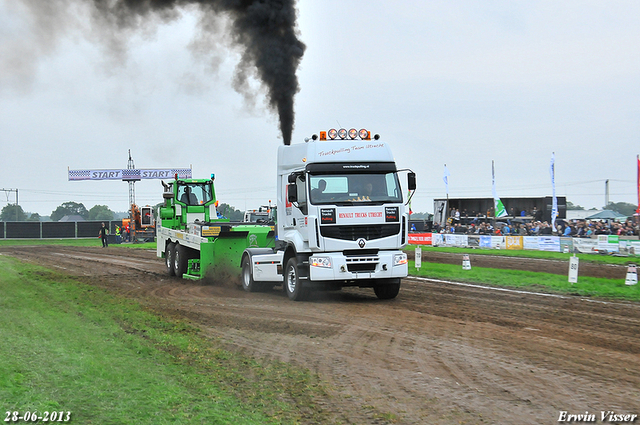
(554, 205)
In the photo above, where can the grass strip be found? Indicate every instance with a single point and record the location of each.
(536, 281)
(72, 347)
(545, 255)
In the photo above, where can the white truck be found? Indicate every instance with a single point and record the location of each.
(261, 215)
(341, 219)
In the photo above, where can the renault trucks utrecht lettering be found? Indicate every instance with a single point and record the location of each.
(341, 219)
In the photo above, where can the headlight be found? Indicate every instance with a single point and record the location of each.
(321, 261)
(399, 259)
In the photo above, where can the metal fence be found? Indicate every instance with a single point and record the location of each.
(54, 229)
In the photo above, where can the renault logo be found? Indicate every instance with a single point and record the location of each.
(361, 242)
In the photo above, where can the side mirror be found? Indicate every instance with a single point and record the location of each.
(411, 181)
(292, 192)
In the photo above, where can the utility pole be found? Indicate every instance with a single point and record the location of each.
(606, 194)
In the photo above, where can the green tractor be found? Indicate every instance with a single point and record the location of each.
(195, 240)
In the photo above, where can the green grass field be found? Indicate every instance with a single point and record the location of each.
(70, 347)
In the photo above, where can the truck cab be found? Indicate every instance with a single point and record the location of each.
(188, 200)
(341, 217)
(261, 215)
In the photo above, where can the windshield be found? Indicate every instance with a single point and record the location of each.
(354, 187)
(194, 193)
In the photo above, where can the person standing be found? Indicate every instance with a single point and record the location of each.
(118, 238)
(104, 232)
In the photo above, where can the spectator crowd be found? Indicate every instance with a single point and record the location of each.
(534, 226)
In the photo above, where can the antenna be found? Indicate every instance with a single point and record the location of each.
(132, 188)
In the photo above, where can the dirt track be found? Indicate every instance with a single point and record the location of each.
(440, 353)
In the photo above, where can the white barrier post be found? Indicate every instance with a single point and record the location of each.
(418, 254)
(632, 275)
(466, 264)
(573, 269)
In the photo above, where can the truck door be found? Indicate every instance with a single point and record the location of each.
(296, 212)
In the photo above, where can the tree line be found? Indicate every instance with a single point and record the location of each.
(13, 212)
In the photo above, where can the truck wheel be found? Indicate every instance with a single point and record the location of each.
(168, 258)
(292, 285)
(180, 260)
(387, 291)
(248, 284)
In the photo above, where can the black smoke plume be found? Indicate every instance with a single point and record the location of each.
(265, 31)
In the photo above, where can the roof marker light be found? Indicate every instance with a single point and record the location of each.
(333, 133)
(353, 133)
(342, 133)
(364, 134)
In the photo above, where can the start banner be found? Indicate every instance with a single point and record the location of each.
(130, 174)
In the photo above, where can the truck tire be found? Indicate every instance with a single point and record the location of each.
(168, 258)
(387, 291)
(292, 285)
(248, 284)
(180, 260)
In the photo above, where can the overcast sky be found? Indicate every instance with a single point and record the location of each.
(460, 83)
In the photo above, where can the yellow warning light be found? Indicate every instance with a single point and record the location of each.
(323, 135)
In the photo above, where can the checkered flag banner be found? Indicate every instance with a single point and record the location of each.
(130, 175)
(79, 175)
(183, 173)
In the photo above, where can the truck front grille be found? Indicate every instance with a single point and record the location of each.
(362, 264)
(353, 233)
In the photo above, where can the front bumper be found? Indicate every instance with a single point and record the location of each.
(382, 265)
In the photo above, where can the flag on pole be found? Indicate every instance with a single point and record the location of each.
(500, 210)
(554, 204)
(446, 178)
